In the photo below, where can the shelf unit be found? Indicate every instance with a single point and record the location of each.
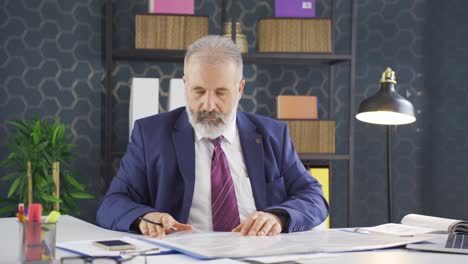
(114, 55)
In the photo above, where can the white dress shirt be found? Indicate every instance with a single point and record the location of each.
(200, 213)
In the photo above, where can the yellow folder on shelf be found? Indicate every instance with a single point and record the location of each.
(323, 176)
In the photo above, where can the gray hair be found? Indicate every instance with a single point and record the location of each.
(213, 49)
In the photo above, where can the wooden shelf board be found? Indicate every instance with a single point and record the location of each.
(249, 58)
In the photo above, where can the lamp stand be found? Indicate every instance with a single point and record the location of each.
(389, 172)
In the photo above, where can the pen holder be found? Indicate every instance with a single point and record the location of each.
(38, 242)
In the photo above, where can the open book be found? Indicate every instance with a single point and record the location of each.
(414, 224)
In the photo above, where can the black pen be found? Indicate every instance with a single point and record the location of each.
(155, 223)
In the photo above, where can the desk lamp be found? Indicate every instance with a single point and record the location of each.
(388, 108)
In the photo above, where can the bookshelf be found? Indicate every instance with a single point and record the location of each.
(113, 56)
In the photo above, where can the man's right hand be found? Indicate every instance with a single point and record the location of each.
(157, 231)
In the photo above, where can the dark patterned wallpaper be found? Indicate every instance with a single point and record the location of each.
(390, 34)
(445, 181)
(51, 65)
(425, 42)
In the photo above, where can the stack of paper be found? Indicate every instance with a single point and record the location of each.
(233, 245)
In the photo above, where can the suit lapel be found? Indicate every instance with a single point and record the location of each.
(252, 150)
(183, 139)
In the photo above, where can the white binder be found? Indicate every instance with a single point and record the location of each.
(176, 94)
(144, 99)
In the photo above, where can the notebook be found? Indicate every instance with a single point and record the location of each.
(414, 224)
(453, 243)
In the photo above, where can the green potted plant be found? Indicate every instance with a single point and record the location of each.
(37, 168)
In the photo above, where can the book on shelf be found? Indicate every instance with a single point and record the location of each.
(176, 94)
(312, 136)
(294, 35)
(169, 32)
(144, 100)
(294, 8)
(171, 7)
(416, 224)
(322, 175)
(296, 107)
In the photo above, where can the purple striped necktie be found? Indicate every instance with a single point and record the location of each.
(224, 208)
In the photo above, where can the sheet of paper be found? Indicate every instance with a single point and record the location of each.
(184, 259)
(296, 258)
(233, 245)
(86, 247)
(397, 229)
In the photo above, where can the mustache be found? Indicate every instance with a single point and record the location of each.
(210, 114)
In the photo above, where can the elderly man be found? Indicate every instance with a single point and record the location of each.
(209, 167)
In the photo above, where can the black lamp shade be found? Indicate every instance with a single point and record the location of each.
(386, 107)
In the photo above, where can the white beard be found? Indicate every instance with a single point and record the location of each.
(209, 130)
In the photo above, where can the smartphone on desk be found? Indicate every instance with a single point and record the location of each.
(114, 245)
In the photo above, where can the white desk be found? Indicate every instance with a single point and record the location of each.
(70, 228)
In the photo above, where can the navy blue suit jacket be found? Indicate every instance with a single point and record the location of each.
(157, 173)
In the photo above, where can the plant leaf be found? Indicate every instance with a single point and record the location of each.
(54, 134)
(69, 202)
(36, 134)
(24, 129)
(11, 176)
(50, 198)
(61, 132)
(8, 209)
(41, 146)
(74, 182)
(13, 187)
(82, 195)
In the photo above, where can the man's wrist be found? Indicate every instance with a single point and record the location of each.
(281, 216)
(135, 226)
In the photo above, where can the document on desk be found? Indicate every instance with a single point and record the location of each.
(233, 245)
(86, 247)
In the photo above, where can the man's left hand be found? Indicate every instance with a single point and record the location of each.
(261, 224)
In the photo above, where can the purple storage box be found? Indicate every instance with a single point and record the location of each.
(294, 8)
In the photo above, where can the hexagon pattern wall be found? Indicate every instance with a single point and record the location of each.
(447, 142)
(390, 34)
(50, 66)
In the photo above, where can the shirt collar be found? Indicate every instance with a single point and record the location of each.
(230, 132)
